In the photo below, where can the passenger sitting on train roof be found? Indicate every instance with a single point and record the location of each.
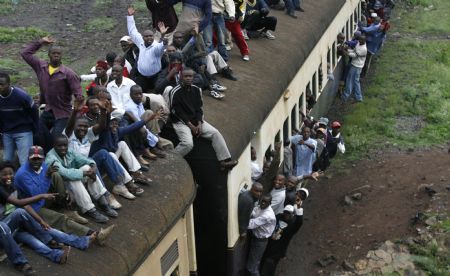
(194, 13)
(278, 193)
(81, 136)
(188, 122)
(257, 20)
(75, 169)
(119, 89)
(246, 203)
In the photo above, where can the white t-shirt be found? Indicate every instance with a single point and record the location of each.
(82, 147)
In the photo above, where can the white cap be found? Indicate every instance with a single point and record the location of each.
(374, 14)
(305, 191)
(289, 208)
(125, 38)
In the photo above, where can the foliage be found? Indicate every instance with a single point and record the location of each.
(20, 34)
(100, 24)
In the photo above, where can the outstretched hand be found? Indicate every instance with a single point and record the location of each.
(131, 11)
(162, 27)
(47, 40)
(78, 104)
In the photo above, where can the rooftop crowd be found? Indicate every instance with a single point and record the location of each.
(59, 148)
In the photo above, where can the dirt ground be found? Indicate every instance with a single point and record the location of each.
(391, 195)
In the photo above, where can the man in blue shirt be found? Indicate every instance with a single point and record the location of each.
(19, 118)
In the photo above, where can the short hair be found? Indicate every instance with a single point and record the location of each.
(4, 75)
(110, 57)
(7, 164)
(59, 136)
(136, 86)
(52, 47)
(90, 99)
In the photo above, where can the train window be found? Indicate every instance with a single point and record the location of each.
(333, 56)
(175, 272)
(286, 129)
(320, 77)
(343, 31)
(314, 86)
(355, 17)
(347, 29)
(169, 257)
(268, 155)
(352, 24)
(329, 58)
(294, 120)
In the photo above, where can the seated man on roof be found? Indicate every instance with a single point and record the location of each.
(188, 122)
(76, 170)
(119, 89)
(257, 20)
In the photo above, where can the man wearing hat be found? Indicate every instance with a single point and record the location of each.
(262, 224)
(130, 53)
(101, 77)
(335, 141)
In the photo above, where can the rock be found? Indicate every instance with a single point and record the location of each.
(431, 221)
(348, 266)
(386, 257)
(348, 201)
(326, 261)
(361, 265)
(357, 196)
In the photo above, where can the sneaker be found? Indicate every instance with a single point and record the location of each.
(103, 234)
(218, 87)
(65, 255)
(228, 47)
(123, 192)
(292, 14)
(246, 57)
(244, 34)
(139, 177)
(158, 152)
(299, 9)
(135, 189)
(216, 95)
(228, 165)
(110, 212)
(268, 35)
(26, 269)
(228, 74)
(73, 215)
(97, 216)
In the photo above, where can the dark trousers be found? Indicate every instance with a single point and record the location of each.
(257, 248)
(49, 126)
(269, 266)
(257, 21)
(147, 83)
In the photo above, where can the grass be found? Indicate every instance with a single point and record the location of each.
(100, 24)
(409, 79)
(20, 34)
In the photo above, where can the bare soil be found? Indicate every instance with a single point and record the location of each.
(391, 195)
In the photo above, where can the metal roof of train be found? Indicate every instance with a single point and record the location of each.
(248, 102)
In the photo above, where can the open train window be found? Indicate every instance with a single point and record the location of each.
(314, 86)
(294, 120)
(329, 58)
(333, 56)
(286, 129)
(320, 77)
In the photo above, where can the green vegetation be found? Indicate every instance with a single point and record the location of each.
(100, 24)
(20, 34)
(429, 17)
(407, 101)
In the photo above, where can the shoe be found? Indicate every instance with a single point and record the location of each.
(123, 192)
(228, 165)
(228, 47)
(103, 234)
(246, 57)
(268, 35)
(139, 177)
(150, 156)
(299, 9)
(112, 201)
(135, 189)
(244, 34)
(279, 7)
(73, 215)
(164, 144)
(65, 255)
(55, 245)
(97, 216)
(292, 14)
(110, 212)
(218, 87)
(216, 95)
(144, 168)
(141, 160)
(228, 74)
(158, 152)
(26, 269)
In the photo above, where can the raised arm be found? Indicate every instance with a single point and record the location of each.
(136, 37)
(27, 54)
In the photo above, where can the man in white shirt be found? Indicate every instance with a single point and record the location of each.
(255, 167)
(262, 225)
(358, 56)
(119, 89)
(150, 52)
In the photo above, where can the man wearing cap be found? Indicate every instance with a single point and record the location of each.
(261, 224)
(19, 118)
(57, 83)
(150, 52)
(35, 177)
(352, 83)
(246, 203)
(288, 223)
(101, 77)
(305, 150)
(131, 53)
(335, 141)
(374, 35)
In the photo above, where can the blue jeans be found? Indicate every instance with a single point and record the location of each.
(48, 127)
(217, 25)
(21, 142)
(352, 84)
(296, 3)
(7, 242)
(38, 246)
(106, 163)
